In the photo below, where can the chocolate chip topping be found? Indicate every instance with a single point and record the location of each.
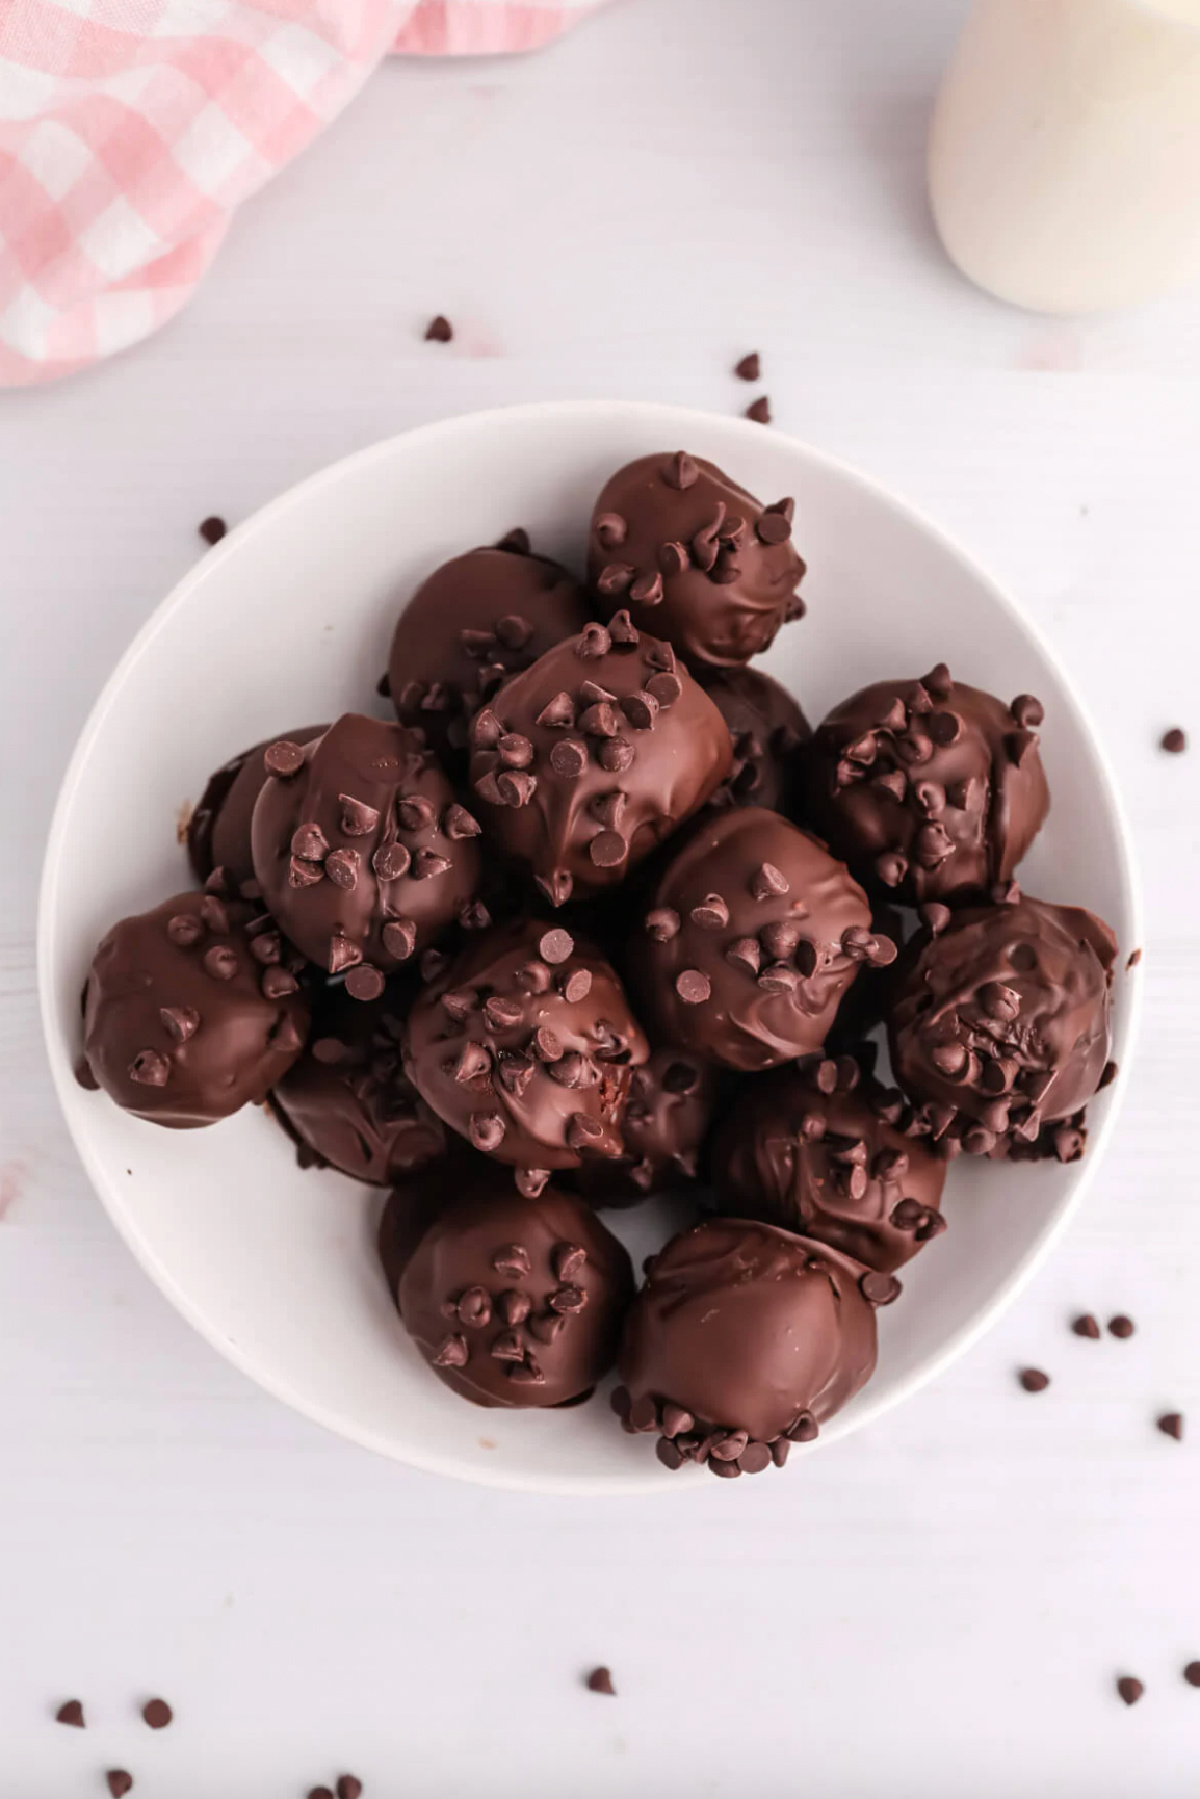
(177, 1025)
(1024, 990)
(615, 746)
(549, 1047)
(693, 567)
(493, 1258)
(379, 877)
(926, 794)
(762, 987)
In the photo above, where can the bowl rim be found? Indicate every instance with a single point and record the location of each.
(673, 419)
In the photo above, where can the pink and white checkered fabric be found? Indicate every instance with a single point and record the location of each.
(130, 129)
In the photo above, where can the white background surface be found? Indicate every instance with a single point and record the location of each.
(937, 1608)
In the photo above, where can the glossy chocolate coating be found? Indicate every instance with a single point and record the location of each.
(190, 1012)
(768, 730)
(929, 790)
(817, 1150)
(695, 558)
(1000, 1022)
(525, 1048)
(752, 937)
(347, 1098)
(478, 619)
(665, 1121)
(363, 854)
(218, 834)
(744, 1334)
(516, 1301)
(587, 760)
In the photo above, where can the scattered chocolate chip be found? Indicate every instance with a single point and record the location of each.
(213, 529)
(349, 1787)
(71, 1712)
(1192, 1674)
(1085, 1326)
(1171, 1425)
(601, 1681)
(119, 1782)
(439, 331)
(1174, 741)
(1121, 1326)
(1130, 1688)
(759, 410)
(283, 759)
(749, 368)
(1033, 1380)
(157, 1713)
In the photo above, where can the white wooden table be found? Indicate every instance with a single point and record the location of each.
(938, 1608)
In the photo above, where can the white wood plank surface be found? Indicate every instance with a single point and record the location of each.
(940, 1607)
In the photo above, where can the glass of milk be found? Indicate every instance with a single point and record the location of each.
(1064, 161)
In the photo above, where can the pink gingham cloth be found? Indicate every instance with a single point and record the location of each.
(131, 129)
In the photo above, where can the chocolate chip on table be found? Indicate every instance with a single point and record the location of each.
(759, 410)
(71, 1712)
(1121, 1326)
(439, 330)
(1130, 1688)
(157, 1714)
(1171, 1425)
(1174, 741)
(1192, 1674)
(1085, 1326)
(600, 1680)
(1033, 1380)
(212, 530)
(119, 1782)
(749, 368)
(320, 1793)
(349, 1786)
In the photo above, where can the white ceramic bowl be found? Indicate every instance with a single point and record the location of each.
(289, 619)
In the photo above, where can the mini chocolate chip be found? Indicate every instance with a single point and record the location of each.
(439, 330)
(556, 946)
(363, 982)
(184, 930)
(614, 577)
(712, 914)
(349, 1786)
(582, 1133)
(608, 849)
(611, 530)
(1174, 741)
(664, 689)
(568, 758)
(71, 1712)
(342, 868)
(320, 1793)
(1121, 1326)
(391, 861)
(749, 368)
(647, 589)
(693, 986)
(531, 1182)
(453, 1353)
(768, 882)
(1171, 1425)
(157, 1713)
(680, 471)
(594, 642)
(1130, 1688)
(304, 874)
(754, 1458)
(1085, 1326)
(601, 1681)
(118, 1782)
(512, 1259)
(342, 954)
(745, 952)
(458, 823)
(616, 755)
(772, 528)
(878, 1289)
(673, 558)
(220, 962)
(759, 410)
(213, 529)
(400, 938)
(578, 985)
(1033, 1380)
(662, 924)
(277, 983)
(534, 977)
(283, 759)
(1192, 1674)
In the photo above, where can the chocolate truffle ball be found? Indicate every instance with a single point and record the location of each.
(1001, 1021)
(525, 1048)
(929, 790)
(743, 1340)
(477, 620)
(665, 1121)
(363, 854)
(695, 558)
(514, 1300)
(191, 1012)
(817, 1150)
(752, 937)
(347, 1099)
(218, 833)
(768, 729)
(591, 757)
